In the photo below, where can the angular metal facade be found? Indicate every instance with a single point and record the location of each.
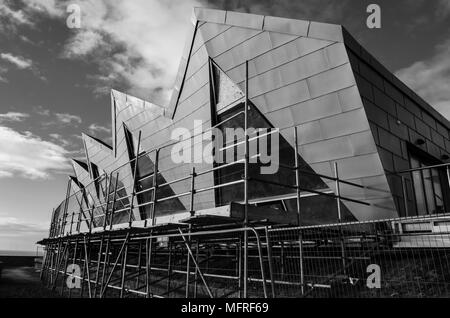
(347, 108)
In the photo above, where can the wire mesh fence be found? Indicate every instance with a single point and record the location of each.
(405, 257)
(395, 258)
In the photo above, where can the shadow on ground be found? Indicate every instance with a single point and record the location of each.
(23, 282)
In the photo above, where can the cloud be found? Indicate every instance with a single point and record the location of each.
(28, 156)
(61, 140)
(14, 227)
(82, 44)
(42, 111)
(136, 44)
(443, 9)
(20, 62)
(69, 119)
(13, 117)
(94, 128)
(17, 16)
(430, 78)
(3, 71)
(11, 19)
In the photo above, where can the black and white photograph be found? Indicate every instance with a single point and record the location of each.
(224, 153)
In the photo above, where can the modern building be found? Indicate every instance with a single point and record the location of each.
(334, 105)
(347, 107)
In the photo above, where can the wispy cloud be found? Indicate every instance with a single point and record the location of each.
(3, 71)
(13, 227)
(13, 117)
(59, 139)
(69, 119)
(19, 61)
(18, 16)
(320, 10)
(430, 78)
(28, 156)
(42, 111)
(137, 55)
(11, 19)
(95, 128)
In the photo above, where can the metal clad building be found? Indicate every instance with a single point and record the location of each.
(348, 109)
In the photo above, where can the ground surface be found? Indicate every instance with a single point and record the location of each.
(22, 282)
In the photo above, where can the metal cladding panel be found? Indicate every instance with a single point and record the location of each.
(326, 31)
(349, 99)
(199, 79)
(99, 154)
(198, 60)
(210, 15)
(246, 50)
(81, 173)
(228, 39)
(246, 20)
(280, 55)
(344, 124)
(317, 92)
(331, 80)
(209, 31)
(288, 26)
(317, 108)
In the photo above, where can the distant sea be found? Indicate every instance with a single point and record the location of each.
(19, 253)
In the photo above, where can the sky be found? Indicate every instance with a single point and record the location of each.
(55, 81)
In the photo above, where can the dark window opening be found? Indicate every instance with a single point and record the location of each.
(431, 188)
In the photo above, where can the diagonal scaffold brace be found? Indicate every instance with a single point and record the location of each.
(195, 263)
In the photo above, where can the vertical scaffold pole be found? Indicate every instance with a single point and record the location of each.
(138, 278)
(108, 187)
(246, 167)
(99, 260)
(111, 217)
(188, 263)
(197, 251)
(46, 254)
(105, 262)
(124, 270)
(148, 259)
(270, 259)
(135, 171)
(193, 175)
(74, 259)
(405, 195)
(448, 176)
(66, 260)
(169, 268)
(66, 206)
(71, 222)
(87, 262)
(155, 187)
(338, 199)
(299, 218)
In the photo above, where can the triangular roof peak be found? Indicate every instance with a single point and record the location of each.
(305, 28)
(80, 163)
(312, 29)
(125, 98)
(100, 142)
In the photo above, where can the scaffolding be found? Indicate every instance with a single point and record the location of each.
(204, 255)
(97, 249)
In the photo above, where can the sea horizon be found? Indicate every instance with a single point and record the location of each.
(20, 253)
